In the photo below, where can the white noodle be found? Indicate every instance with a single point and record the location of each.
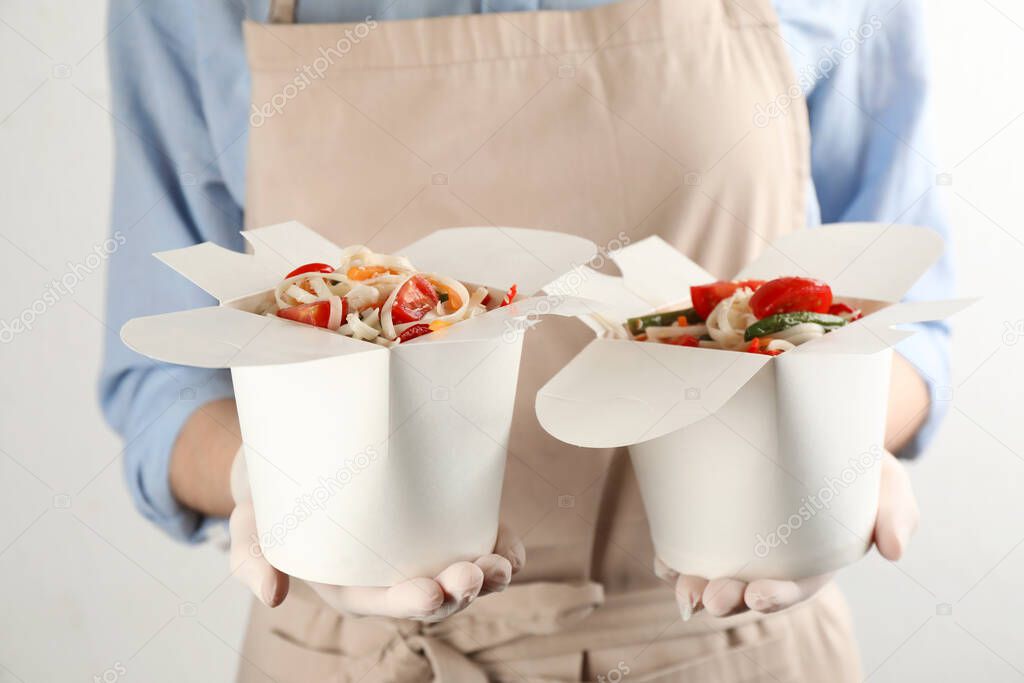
(372, 318)
(674, 332)
(361, 296)
(799, 339)
(730, 319)
(336, 308)
(371, 296)
(798, 334)
(459, 290)
(727, 325)
(301, 295)
(385, 315)
(476, 301)
(361, 330)
(780, 345)
(321, 288)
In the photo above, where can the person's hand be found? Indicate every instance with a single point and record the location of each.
(896, 521)
(423, 598)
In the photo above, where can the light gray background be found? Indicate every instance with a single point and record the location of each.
(88, 588)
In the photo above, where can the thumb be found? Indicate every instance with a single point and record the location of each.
(897, 510)
(248, 564)
(239, 478)
(510, 547)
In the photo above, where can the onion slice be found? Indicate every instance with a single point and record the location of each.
(337, 306)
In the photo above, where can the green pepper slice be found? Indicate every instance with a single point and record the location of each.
(782, 321)
(638, 325)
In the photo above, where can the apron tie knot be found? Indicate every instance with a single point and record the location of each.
(529, 609)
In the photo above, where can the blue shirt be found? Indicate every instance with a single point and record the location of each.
(181, 108)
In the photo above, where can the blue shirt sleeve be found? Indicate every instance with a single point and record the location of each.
(168, 193)
(872, 159)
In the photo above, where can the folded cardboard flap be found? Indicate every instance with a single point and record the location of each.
(619, 392)
(882, 329)
(293, 244)
(916, 312)
(223, 273)
(229, 337)
(230, 275)
(236, 334)
(507, 322)
(500, 256)
(864, 260)
(657, 272)
(608, 301)
(224, 337)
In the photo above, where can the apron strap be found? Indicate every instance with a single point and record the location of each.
(282, 12)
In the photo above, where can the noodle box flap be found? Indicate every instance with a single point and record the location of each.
(237, 334)
(619, 392)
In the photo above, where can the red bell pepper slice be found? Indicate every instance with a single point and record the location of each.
(685, 340)
(509, 296)
(417, 330)
(755, 346)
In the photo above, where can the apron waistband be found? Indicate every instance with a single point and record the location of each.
(531, 620)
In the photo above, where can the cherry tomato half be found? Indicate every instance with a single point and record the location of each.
(705, 297)
(414, 300)
(317, 314)
(417, 330)
(790, 294)
(310, 268)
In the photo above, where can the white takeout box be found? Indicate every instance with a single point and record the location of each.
(749, 465)
(368, 465)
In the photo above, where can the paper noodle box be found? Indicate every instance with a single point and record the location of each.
(368, 465)
(750, 466)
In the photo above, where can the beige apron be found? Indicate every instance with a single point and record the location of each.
(619, 122)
